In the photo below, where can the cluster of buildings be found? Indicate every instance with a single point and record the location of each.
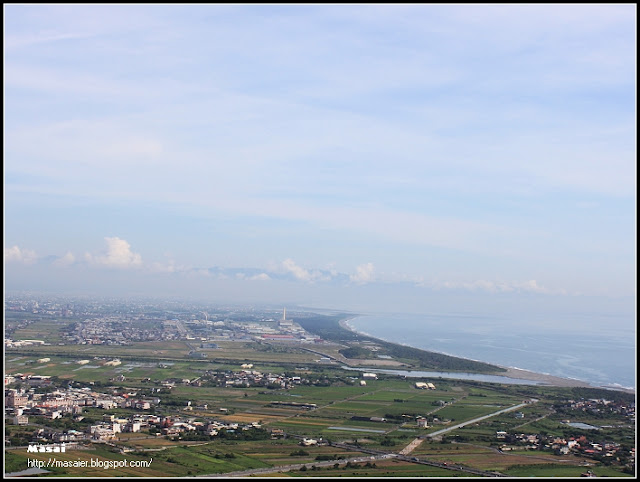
(247, 377)
(562, 446)
(117, 330)
(599, 406)
(9, 343)
(22, 403)
(116, 324)
(52, 307)
(425, 385)
(166, 426)
(283, 330)
(108, 429)
(31, 380)
(176, 427)
(123, 329)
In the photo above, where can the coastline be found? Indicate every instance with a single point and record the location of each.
(513, 372)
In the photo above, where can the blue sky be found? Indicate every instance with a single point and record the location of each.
(337, 155)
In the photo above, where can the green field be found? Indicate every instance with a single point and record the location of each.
(177, 462)
(339, 397)
(552, 470)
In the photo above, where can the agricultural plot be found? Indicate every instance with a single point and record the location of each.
(205, 393)
(534, 463)
(406, 431)
(337, 404)
(557, 470)
(51, 331)
(459, 412)
(299, 426)
(382, 468)
(332, 393)
(160, 346)
(390, 395)
(353, 407)
(384, 396)
(279, 452)
(278, 395)
(101, 456)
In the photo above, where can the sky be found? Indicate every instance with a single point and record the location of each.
(368, 157)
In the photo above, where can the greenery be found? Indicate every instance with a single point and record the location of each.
(299, 453)
(341, 405)
(388, 442)
(356, 352)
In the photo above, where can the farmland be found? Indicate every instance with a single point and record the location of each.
(290, 395)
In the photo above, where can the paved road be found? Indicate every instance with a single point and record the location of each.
(504, 410)
(411, 447)
(379, 454)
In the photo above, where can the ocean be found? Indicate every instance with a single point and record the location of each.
(598, 349)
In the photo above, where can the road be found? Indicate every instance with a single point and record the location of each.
(374, 455)
(380, 454)
(411, 447)
(504, 410)
(288, 468)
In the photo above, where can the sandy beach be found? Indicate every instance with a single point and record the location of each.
(516, 373)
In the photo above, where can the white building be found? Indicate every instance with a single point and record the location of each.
(21, 420)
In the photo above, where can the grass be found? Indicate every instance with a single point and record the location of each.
(382, 469)
(553, 470)
(338, 404)
(176, 462)
(460, 413)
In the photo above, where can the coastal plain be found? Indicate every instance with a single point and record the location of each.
(287, 408)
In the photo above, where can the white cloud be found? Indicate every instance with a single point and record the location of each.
(363, 133)
(301, 273)
(297, 271)
(118, 255)
(16, 254)
(66, 260)
(364, 274)
(531, 285)
(168, 267)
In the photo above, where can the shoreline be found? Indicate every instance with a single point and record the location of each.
(511, 372)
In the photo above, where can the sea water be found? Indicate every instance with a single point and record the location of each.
(597, 349)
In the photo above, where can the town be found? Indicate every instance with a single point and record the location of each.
(224, 383)
(190, 323)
